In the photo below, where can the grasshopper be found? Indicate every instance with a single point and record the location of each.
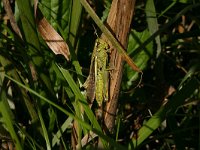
(97, 82)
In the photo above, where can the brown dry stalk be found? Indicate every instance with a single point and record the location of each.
(11, 17)
(118, 21)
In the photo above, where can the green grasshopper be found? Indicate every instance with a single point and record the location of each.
(97, 82)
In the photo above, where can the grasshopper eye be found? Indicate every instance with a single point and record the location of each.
(100, 68)
(97, 44)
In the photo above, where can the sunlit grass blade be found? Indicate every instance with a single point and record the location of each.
(65, 125)
(44, 129)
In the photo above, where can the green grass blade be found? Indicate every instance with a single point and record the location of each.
(75, 22)
(65, 125)
(44, 129)
(7, 117)
(153, 23)
(140, 57)
(168, 8)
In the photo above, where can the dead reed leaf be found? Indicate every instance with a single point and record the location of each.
(55, 42)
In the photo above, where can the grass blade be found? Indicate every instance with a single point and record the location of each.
(44, 129)
(8, 117)
(153, 23)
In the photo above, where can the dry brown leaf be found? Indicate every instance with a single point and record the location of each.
(55, 42)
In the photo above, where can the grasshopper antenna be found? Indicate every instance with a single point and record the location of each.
(95, 31)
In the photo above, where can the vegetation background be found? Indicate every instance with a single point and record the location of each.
(42, 101)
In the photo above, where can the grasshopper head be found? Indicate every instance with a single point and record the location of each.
(101, 44)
